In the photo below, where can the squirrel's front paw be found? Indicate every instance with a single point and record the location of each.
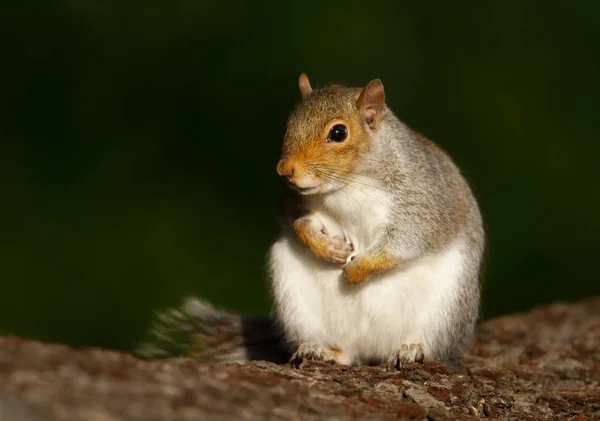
(311, 352)
(357, 270)
(362, 266)
(334, 249)
(338, 250)
(404, 355)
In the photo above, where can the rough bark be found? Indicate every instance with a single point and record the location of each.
(541, 365)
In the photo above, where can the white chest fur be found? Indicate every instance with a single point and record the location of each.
(357, 211)
(368, 321)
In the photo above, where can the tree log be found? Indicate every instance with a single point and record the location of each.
(542, 365)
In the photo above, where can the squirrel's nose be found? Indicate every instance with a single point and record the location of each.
(286, 168)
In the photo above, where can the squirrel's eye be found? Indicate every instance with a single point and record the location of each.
(338, 133)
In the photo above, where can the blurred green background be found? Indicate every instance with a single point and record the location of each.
(138, 143)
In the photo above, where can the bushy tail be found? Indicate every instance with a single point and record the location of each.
(198, 331)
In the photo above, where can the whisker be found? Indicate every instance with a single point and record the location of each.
(355, 180)
(323, 172)
(346, 181)
(347, 177)
(325, 177)
(336, 178)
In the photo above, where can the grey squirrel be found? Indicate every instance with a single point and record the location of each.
(379, 255)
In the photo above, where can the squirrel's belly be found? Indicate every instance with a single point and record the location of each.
(366, 322)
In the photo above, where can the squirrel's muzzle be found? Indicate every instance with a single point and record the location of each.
(297, 175)
(287, 168)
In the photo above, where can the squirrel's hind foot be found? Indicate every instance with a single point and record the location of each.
(308, 351)
(405, 354)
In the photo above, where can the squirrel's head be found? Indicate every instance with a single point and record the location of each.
(327, 134)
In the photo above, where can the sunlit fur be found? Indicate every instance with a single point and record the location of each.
(388, 190)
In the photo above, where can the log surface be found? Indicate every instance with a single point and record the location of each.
(544, 364)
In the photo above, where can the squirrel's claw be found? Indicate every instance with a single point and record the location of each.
(339, 249)
(311, 352)
(334, 249)
(404, 355)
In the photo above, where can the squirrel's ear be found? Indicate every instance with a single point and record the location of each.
(304, 85)
(370, 102)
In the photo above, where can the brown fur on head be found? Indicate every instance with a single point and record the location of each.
(310, 158)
